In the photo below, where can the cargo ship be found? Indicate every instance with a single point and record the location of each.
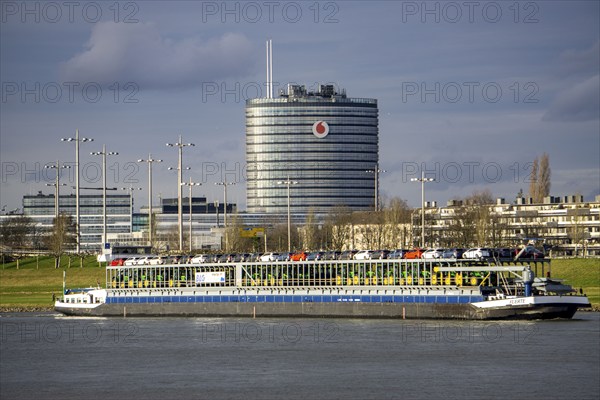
(405, 289)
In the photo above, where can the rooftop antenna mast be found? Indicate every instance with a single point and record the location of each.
(269, 69)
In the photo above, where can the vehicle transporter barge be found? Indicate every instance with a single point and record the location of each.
(406, 289)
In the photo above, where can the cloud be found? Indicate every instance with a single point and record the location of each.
(585, 62)
(580, 102)
(138, 53)
(579, 96)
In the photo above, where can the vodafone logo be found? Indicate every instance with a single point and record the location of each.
(320, 129)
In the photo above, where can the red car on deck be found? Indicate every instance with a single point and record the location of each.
(300, 256)
(412, 254)
(117, 262)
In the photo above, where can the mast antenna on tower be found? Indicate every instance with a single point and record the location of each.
(269, 69)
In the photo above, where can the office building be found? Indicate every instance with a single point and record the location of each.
(324, 142)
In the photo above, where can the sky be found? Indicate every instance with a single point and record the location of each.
(468, 92)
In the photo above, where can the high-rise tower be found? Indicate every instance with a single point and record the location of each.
(323, 140)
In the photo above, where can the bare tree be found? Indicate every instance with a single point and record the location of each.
(237, 241)
(543, 180)
(472, 223)
(171, 237)
(311, 237)
(480, 203)
(372, 229)
(497, 230)
(278, 237)
(539, 185)
(533, 180)
(62, 237)
(461, 230)
(15, 232)
(234, 242)
(339, 224)
(397, 216)
(576, 231)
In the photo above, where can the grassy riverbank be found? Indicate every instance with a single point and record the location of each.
(31, 286)
(580, 273)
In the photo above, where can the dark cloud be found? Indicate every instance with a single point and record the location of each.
(138, 53)
(578, 98)
(581, 102)
(559, 54)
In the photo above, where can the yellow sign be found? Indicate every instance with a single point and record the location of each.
(252, 232)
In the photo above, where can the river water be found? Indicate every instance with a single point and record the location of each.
(48, 356)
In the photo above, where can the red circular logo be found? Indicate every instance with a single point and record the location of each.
(320, 129)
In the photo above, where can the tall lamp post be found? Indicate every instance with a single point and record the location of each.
(217, 210)
(150, 160)
(77, 141)
(190, 184)
(180, 145)
(422, 179)
(180, 201)
(289, 183)
(224, 183)
(57, 185)
(376, 171)
(104, 153)
(131, 190)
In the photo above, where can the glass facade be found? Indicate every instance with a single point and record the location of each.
(40, 208)
(325, 143)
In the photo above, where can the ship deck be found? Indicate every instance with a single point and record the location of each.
(327, 273)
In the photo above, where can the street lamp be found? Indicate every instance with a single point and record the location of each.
(180, 145)
(57, 185)
(289, 220)
(180, 201)
(376, 172)
(225, 184)
(422, 179)
(77, 141)
(190, 184)
(103, 153)
(131, 190)
(150, 160)
(217, 210)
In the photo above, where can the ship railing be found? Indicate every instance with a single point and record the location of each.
(321, 273)
(169, 276)
(373, 272)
